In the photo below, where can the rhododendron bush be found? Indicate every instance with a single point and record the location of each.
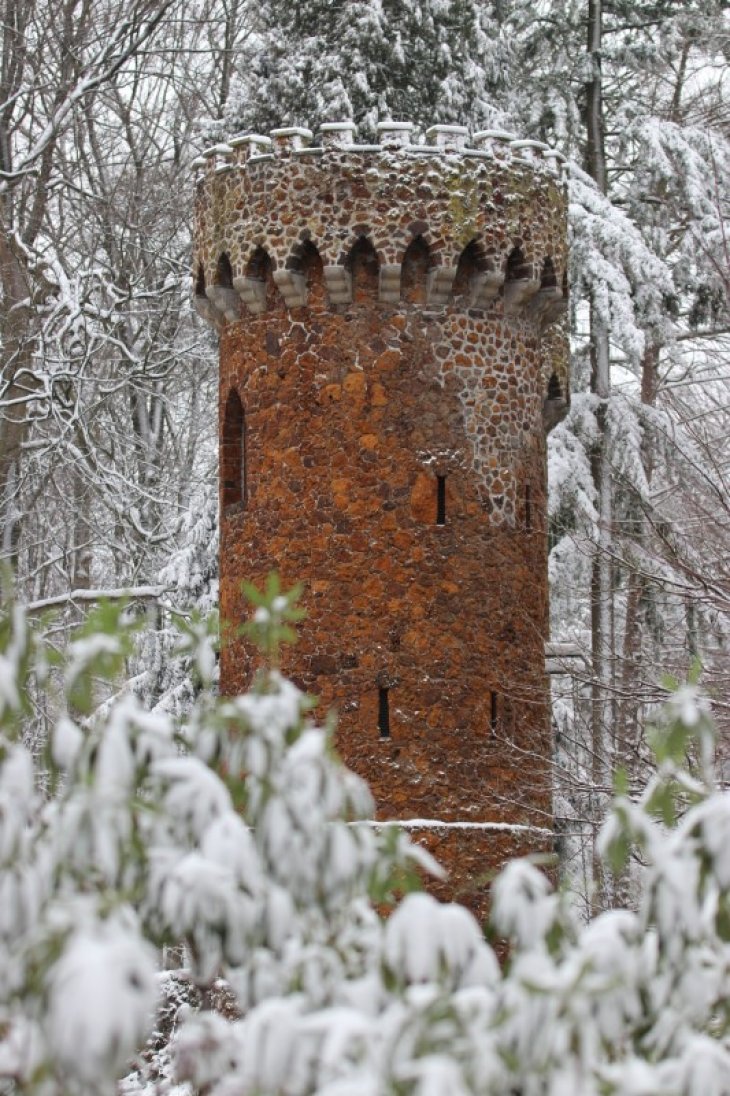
(235, 831)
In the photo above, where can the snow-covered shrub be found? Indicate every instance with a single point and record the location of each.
(236, 830)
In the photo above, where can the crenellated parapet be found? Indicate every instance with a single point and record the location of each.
(460, 223)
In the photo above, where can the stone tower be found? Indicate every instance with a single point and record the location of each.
(386, 383)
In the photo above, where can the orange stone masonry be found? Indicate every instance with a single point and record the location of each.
(385, 391)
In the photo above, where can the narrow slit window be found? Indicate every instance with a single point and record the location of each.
(493, 712)
(200, 282)
(528, 508)
(383, 713)
(441, 500)
(233, 452)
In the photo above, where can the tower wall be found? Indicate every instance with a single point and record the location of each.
(384, 390)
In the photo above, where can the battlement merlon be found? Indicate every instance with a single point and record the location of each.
(491, 207)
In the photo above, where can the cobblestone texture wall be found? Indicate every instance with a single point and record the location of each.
(383, 395)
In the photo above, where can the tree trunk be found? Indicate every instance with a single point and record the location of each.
(602, 690)
(18, 384)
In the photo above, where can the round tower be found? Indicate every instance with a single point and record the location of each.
(386, 383)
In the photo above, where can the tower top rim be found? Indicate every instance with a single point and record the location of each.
(395, 137)
(486, 212)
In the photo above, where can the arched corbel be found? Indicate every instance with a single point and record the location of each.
(221, 294)
(251, 287)
(549, 303)
(439, 285)
(338, 281)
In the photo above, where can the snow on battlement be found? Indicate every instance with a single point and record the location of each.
(479, 220)
(440, 139)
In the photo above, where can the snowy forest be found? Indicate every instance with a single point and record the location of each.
(138, 865)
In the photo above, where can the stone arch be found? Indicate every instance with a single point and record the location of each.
(260, 268)
(554, 389)
(224, 271)
(306, 261)
(548, 276)
(555, 403)
(517, 268)
(364, 267)
(233, 452)
(417, 263)
(260, 265)
(472, 262)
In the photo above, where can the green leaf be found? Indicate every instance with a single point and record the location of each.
(275, 610)
(621, 782)
(663, 803)
(618, 853)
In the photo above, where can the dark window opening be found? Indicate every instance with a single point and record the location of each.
(493, 712)
(233, 452)
(383, 713)
(261, 267)
(548, 279)
(224, 271)
(307, 261)
(517, 266)
(441, 500)
(472, 262)
(362, 262)
(414, 271)
(554, 391)
(528, 508)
